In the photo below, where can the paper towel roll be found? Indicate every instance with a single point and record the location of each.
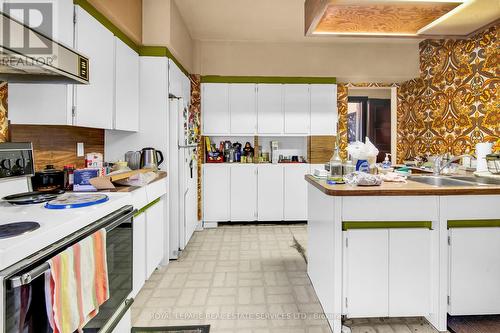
(483, 149)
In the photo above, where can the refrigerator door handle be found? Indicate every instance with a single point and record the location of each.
(188, 146)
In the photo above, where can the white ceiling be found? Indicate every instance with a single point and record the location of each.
(283, 21)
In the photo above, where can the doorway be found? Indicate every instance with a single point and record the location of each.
(370, 115)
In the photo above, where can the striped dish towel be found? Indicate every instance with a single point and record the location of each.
(77, 284)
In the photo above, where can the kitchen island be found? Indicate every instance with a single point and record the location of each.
(404, 249)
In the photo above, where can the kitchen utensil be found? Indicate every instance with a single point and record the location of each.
(76, 201)
(49, 179)
(151, 158)
(493, 163)
(133, 158)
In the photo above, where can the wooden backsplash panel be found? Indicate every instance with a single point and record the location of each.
(320, 148)
(56, 145)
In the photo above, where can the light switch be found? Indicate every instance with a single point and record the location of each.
(80, 150)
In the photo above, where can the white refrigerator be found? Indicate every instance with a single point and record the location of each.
(183, 176)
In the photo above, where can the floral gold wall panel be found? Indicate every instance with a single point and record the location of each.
(455, 103)
(4, 130)
(196, 110)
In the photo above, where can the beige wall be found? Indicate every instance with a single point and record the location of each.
(125, 14)
(371, 92)
(163, 25)
(348, 61)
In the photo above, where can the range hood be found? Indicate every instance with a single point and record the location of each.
(42, 61)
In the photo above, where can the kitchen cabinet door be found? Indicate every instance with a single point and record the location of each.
(216, 192)
(324, 109)
(242, 106)
(270, 116)
(215, 108)
(367, 261)
(155, 238)
(270, 192)
(94, 103)
(474, 271)
(297, 108)
(409, 272)
(46, 104)
(295, 191)
(139, 256)
(126, 88)
(243, 192)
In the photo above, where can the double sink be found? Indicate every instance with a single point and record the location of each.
(454, 180)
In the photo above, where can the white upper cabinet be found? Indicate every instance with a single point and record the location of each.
(297, 108)
(270, 192)
(270, 117)
(215, 108)
(126, 88)
(324, 109)
(46, 104)
(95, 102)
(242, 105)
(175, 79)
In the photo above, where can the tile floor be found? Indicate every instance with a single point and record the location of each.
(245, 279)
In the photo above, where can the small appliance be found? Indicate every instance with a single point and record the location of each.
(274, 152)
(49, 179)
(151, 158)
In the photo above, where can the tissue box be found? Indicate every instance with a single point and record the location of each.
(94, 160)
(82, 180)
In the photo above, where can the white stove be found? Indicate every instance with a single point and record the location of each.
(54, 225)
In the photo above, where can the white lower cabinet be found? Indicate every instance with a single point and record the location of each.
(387, 273)
(254, 192)
(139, 253)
(295, 199)
(155, 222)
(243, 192)
(474, 271)
(409, 272)
(270, 192)
(216, 192)
(367, 263)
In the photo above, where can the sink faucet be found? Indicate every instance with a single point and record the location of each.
(439, 166)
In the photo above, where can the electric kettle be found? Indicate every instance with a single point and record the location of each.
(151, 158)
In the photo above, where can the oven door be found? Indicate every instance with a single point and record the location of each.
(24, 289)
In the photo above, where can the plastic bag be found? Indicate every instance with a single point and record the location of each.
(363, 151)
(363, 179)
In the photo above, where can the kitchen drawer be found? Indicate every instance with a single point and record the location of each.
(156, 189)
(410, 208)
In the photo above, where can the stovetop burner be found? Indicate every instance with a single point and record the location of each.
(17, 228)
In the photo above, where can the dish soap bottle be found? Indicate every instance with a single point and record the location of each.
(386, 164)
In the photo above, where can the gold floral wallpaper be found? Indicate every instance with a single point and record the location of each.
(195, 107)
(455, 102)
(4, 131)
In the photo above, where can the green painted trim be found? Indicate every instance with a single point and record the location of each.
(153, 51)
(161, 51)
(107, 23)
(385, 225)
(142, 50)
(145, 208)
(268, 79)
(492, 223)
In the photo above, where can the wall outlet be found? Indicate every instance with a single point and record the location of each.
(80, 150)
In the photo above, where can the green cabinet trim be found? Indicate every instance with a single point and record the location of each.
(145, 208)
(491, 223)
(268, 79)
(142, 50)
(385, 224)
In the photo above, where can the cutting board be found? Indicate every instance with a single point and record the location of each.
(106, 182)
